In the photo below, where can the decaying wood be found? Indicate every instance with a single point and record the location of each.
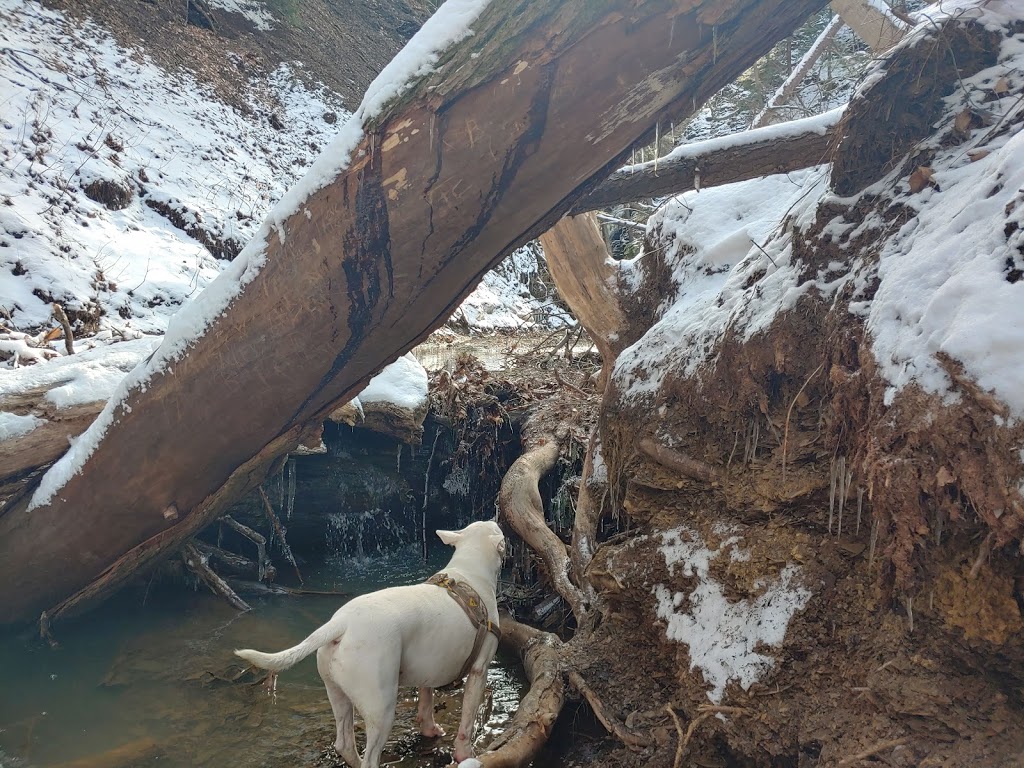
(69, 337)
(520, 504)
(531, 725)
(478, 157)
(680, 462)
(198, 565)
(588, 515)
(762, 152)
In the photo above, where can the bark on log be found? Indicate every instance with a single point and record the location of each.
(759, 152)
(480, 156)
(531, 725)
(521, 505)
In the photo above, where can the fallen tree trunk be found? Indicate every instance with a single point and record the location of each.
(748, 155)
(424, 191)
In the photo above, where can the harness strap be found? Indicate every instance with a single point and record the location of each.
(470, 601)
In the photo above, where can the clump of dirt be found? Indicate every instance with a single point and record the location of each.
(114, 195)
(910, 97)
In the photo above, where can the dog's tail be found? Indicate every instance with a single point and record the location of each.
(277, 662)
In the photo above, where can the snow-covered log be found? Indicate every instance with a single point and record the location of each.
(741, 156)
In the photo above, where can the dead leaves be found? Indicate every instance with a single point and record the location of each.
(921, 178)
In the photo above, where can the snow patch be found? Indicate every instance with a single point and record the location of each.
(723, 636)
(731, 267)
(13, 425)
(403, 383)
(252, 10)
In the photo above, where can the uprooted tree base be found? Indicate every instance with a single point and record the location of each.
(909, 649)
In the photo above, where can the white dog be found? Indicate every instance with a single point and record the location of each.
(421, 635)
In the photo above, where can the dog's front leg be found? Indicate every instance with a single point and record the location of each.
(425, 714)
(471, 699)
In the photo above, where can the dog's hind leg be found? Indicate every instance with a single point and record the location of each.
(344, 718)
(425, 714)
(378, 722)
(345, 742)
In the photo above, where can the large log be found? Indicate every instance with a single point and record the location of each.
(747, 155)
(374, 251)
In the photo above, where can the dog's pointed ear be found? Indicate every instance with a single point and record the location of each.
(498, 540)
(451, 538)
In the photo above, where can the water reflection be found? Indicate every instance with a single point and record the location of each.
(147, 684)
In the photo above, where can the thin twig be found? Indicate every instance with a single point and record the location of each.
(789, 413)
(879, 747)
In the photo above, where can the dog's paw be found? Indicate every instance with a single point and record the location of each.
(463, 753)
(432, 731)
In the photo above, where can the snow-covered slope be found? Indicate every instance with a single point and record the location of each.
(125, 189)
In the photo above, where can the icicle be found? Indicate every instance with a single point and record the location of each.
(290, 504)
(398, 466)
(426, 494)
(832, 496)
(860, 506)
(841, 493)
(874, 539)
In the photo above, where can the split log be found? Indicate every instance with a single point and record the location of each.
(531, 725)
(585, 277)
(747, 155)
(520, 504)
(424, 193)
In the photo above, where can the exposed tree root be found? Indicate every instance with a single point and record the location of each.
(609, 721)
(680, 462)
(521, 505)
(531, 725)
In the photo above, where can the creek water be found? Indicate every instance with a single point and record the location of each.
(147, 682)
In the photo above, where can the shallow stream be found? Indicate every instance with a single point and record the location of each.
(147, 683)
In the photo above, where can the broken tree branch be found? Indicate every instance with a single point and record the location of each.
(275, 523)
(69, 337)
(198, 565)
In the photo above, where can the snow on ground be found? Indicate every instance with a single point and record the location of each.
(253, 10)
(732, 267)
(403, 383)
(725, 638)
